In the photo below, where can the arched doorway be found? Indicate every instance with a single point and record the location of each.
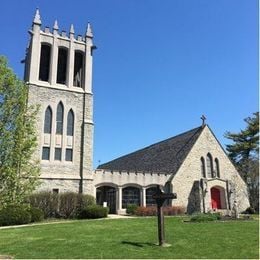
(131, 195)
(218, 200)
(107, 194)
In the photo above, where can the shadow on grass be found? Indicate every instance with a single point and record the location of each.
(137, 244)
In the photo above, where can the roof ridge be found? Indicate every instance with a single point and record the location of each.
(156, 144)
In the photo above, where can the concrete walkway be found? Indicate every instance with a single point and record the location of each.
(110, 216)
(114, 216)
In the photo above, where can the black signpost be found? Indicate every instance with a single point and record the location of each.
(160, 198)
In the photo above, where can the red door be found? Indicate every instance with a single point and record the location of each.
(215, 198)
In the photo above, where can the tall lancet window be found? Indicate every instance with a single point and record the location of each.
(217, 168)
(78, 70)
(202, 166)
(70, 123)
(48, 120)
(209, 166)
(70, 133)
(59, 119)
(47, 134)
(59, 132)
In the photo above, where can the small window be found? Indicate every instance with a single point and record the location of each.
(57, 155)
(45, 62)
(70, 123)
(62, 66)
(55, 191)
(78, 70)
(69, 154)
(217, 168)
(59, 119)
(209, 166)
(46, 153)
(48, 121)
(202, 165)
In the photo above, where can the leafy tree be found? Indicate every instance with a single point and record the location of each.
(244, 152)
(18, 170)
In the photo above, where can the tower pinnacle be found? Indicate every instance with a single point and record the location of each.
(55, 26)
(89, 32)
(37, 17)
(71, 29)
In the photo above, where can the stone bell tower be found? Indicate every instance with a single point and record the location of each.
(58, 71)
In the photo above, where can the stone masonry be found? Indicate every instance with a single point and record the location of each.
(75, 175)
(190, 172)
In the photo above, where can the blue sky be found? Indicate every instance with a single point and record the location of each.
(160, 64)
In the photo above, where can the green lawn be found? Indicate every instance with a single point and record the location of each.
(132, 238)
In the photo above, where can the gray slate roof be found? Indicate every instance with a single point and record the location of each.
(165, 156)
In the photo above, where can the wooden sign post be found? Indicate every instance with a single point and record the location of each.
(160, 198)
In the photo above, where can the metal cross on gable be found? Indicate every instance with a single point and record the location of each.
(203, 118)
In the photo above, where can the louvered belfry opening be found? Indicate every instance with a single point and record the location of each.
(45, 62)
(78, 70)
(62, 66)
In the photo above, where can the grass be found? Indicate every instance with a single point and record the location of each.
(132, 238)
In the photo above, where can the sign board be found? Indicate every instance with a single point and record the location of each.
(165, 196)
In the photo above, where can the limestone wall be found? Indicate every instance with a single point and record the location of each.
(62, 170)
(187, 177)
(116, 178)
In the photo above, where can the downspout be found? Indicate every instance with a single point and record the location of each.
(82, 145)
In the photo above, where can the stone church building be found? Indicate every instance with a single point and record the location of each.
(58, 71)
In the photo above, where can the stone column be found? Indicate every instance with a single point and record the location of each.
(54, 55)
(70, 69)
(119, 199)
(144, 197)
(35, 49)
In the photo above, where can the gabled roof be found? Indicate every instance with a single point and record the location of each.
(165, 156)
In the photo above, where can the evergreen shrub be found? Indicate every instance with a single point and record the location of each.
(131, 208)
(36, 214)
(92, 212)
(85, 200)
(205, 217)
(15, 215)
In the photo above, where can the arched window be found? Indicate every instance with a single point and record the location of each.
(45, 62)
(131, 195)
(70, 123)
(149, 196)
(48, 120)
(78, 69)
(209, 166)
(203, 169)
(47, 130)
(59, 119)
(217, 168)
(62, 66)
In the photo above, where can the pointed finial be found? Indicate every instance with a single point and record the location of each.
(37, 17)
(72, 29)
(89, 32)
(203, 118)
(55, 26)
